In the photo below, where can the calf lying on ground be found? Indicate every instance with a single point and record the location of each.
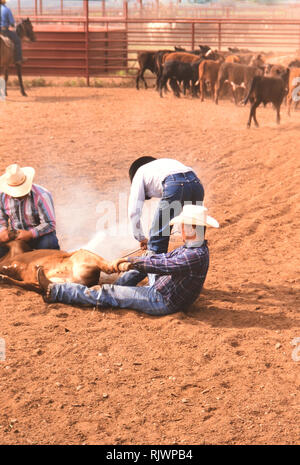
(263, 90)
(18, 266)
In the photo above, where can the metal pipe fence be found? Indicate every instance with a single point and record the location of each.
(89, 45)
(157, 8)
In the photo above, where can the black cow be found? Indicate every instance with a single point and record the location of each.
(294, 64)
(177, 71)
(265, 89)
(146, 60)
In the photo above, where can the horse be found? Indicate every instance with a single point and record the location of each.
(23, 29)
(19, 266)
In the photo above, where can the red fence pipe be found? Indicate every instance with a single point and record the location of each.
(86, 27)
(193, 36)
(219, 37)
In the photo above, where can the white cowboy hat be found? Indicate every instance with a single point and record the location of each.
(17, 181)
(195, 214)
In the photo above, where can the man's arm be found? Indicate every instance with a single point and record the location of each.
(46, 214)
(135, 206)
(3, 217)
(11, 18)
(185, 263)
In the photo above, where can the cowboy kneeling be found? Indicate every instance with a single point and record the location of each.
(182, 273)
(27, 208)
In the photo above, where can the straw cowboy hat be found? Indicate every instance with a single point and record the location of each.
(196, 215)
(17, 181)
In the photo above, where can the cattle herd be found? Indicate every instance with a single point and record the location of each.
(239, 72)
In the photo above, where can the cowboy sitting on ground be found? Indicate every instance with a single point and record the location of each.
(7, 20)
(27, 209)
(182, 273)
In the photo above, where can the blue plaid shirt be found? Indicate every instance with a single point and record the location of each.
(182, 273)
(35, 213)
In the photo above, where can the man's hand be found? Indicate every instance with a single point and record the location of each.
(121, 264)
(144, 244)
(4, 236)
(24, 235)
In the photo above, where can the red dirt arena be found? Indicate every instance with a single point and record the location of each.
(223, 372)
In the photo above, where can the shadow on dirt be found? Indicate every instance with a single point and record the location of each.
(58, 99)
(269, 307)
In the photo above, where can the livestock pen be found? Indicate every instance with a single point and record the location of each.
(226, 369)
(87, 44)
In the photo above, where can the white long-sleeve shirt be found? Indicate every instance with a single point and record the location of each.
(147, 182)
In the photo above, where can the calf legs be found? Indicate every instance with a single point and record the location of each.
(24, 285)
(278, 113)
(140, 75)
(254, 105)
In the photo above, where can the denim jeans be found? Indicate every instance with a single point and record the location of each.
(17, 42)
(178, 189)
(145, 298)
(48, 241)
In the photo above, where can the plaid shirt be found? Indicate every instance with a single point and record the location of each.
(183, 272)
(35, 213)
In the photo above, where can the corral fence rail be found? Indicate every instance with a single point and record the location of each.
(89, 45)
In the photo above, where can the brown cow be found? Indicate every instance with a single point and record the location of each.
(258, 61)
(237, 75)
(232, 59)
(208, 72)
(183, 57)
(294, 87)
(19, 266)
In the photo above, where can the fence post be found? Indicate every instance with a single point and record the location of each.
(19, 8)
(62, 7)
(103, 8)
(35, 8)
(86, 27)
(193, 35)
(126, 31)
(219, 37)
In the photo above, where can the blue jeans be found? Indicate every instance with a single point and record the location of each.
(17, 42)
(48, 241)
(178, 189)
(145, 298)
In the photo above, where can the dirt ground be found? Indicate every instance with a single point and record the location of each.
(222, 372)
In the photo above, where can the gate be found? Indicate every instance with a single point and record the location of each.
(90, 44)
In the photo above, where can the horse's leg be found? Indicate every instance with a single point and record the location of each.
(23, 284)
(19, 71)
(5, 79)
